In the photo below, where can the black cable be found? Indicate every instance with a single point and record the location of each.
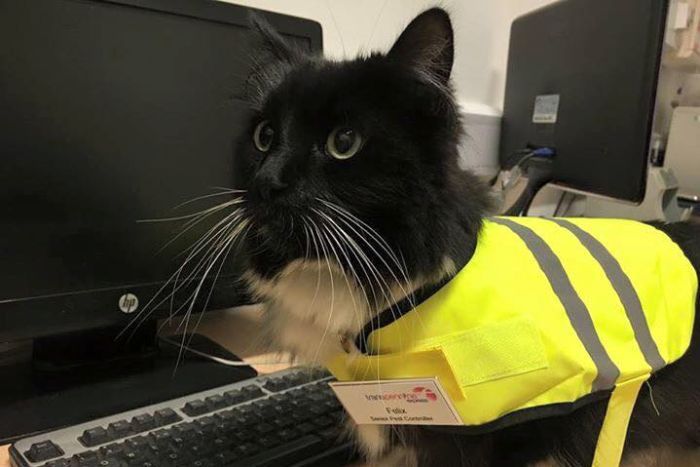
(539, 173)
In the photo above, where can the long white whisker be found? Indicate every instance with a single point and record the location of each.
(211, 195)
(381, 282)
(231, 239)
(147, 310)
(330, 314)
(348, 220)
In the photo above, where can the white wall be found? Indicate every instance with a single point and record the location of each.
(482, 29)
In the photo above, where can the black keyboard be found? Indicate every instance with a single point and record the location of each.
(288, 418)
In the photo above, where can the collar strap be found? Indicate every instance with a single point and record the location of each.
(394, 312)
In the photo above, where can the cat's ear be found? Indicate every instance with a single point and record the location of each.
(271, 42)
(427, 45)
(272, 58)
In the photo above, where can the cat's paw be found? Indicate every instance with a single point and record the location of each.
(373, 441)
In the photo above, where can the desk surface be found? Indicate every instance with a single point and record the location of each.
(236, 330)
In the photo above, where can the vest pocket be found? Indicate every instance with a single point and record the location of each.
(493, 351)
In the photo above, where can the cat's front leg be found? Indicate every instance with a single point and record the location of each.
(375, 443)
(309, 342)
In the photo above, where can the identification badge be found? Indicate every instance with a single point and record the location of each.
(397, 402)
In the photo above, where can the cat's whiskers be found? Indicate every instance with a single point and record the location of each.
(318, 255)
(232, 235)
(216, 243)
(389, 297)
(204, 241)
(194, 214)
(222, 191)
(149, 307)
(197, 219)
(330, 275)
(213, 233)
(381, 242)
(342, 243)
(360, 319)
(409, 290)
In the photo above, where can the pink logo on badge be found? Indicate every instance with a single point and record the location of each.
(428, 393)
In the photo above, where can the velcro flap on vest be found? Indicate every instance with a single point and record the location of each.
(494, 351)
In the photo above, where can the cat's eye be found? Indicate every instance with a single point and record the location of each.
(343, 143)
(263, 136)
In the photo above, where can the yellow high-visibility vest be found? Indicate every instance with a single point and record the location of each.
(548, 314)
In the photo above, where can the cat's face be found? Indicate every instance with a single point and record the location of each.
(345, 159)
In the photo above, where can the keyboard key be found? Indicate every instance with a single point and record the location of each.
(226, 415)
(224, 457)
(263, 428)
(43, 451)
(246, 449)
(318, 410)
(306, 428)
(143, 422)
(284, 454)
(195, 407)
(185, 430)
(119, 429)
(111, 450)
(161, 437)
(94, 436)
(269, 441)
(86, 459)
(146, 463)
(322, 421)
(134, 457)
(137, 442)
(234, 396)
(275, 384)
(166, 417)
(330, 435)
(288, 435)
(58, 463)
(320, 373)
(216, 402)
(110, 462)
(243, 435)
(252, 392)
(206, 424)
(282, 422)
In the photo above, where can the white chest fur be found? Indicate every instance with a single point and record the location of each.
(308, 307)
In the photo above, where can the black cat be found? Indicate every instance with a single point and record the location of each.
(355, 198)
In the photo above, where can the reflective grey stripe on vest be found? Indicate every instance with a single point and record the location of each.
(576, 310)
(625, 290)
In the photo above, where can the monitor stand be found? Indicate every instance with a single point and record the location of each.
(75, 377)
(660, 201)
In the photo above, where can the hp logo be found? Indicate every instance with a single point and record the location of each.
(128, 303)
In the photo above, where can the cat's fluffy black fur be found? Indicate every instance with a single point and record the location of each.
(406, 184)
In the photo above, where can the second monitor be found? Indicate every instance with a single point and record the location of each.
(582, 78)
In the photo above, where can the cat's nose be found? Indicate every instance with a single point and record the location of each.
(268, 186)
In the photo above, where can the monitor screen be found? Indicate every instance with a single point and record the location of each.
(111, 114)
(581, 79)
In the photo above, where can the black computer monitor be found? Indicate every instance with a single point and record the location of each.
(581, 79)
(111, 112)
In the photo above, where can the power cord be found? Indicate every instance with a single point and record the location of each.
(538, 168)
(223, 361)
